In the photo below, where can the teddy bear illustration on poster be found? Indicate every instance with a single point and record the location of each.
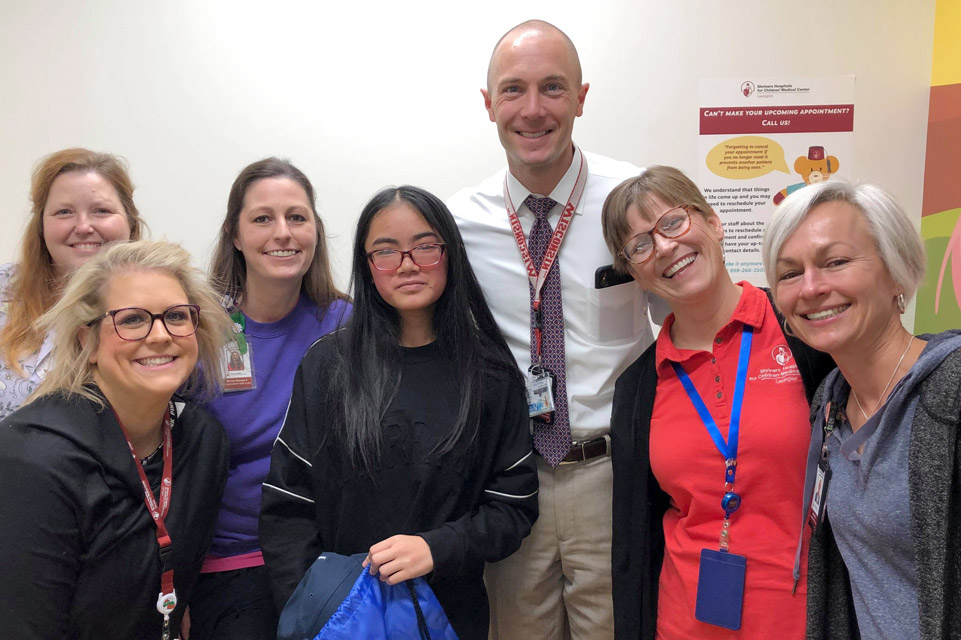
(814, 167)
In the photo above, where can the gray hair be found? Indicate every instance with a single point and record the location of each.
(82, 303)
(897, 241)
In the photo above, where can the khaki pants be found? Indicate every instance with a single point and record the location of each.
(558, 584)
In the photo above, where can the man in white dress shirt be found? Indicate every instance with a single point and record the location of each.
(558, 585)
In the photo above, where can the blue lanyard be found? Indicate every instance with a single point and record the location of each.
(728, 449)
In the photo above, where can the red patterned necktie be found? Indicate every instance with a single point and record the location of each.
(553, 440)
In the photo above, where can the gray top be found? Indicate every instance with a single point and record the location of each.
(869, 502)
(870, 512)
(934, 481)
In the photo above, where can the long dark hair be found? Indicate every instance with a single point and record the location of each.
(367, 368)
(228, 269)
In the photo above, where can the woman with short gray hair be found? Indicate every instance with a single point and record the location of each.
(884, 465)
(895, 238)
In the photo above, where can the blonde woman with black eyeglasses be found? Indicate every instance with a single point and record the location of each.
(109, 480)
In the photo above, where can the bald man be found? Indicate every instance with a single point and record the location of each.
(590, 324)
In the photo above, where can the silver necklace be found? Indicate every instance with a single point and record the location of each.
(885, 390)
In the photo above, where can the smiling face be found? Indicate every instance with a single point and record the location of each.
(151, 368)
(831, 285)
(533, 94)
(411, 289)
(683, 269)
(81, 214)
(276, 232)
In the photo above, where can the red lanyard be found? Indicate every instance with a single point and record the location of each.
(167, 600)
(539, 276)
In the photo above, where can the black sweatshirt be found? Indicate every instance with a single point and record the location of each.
(78, 548)
(470, 508)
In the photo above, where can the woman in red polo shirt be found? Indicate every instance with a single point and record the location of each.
(709, 434)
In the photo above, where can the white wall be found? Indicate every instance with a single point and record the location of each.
(378, 93)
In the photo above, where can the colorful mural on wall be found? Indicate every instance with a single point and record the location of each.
(939, 299)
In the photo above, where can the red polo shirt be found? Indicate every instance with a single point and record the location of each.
(772, 450)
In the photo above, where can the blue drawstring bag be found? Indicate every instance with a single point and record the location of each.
(337, 599)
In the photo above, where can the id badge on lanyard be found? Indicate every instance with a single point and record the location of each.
(541, 384)
(167, 598)
(239, 358)
(541, 381)
(720, 579)
(819, 493)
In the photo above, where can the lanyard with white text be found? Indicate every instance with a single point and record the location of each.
(731, 501)
(538, 277)
(167, 599)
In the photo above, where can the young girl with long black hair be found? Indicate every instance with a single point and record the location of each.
(407, 433)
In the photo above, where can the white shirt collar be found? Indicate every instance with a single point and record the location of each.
(561, 192)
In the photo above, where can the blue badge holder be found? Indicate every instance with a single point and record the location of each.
(720, 588)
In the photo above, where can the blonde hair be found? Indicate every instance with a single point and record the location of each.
(82, 304)
(35, 285)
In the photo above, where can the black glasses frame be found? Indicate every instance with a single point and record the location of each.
(409, 254)
(112, 314)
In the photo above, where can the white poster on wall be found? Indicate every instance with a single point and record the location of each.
(762, 139)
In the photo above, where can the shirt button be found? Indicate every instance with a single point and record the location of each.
(717, 378)
(717, 340)
(719, 394)
(713, 360)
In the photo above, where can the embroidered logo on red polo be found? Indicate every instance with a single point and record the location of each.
(781, 354)
(782, 367)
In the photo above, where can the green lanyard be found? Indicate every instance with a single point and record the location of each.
(239, 337)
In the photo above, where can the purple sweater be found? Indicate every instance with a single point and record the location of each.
(253, 418)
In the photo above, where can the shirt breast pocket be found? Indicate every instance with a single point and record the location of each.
(615, 313)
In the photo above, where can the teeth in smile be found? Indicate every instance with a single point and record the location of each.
(281, 254)
(827, 313)
(537, 134)
(679, 265)
(87, 246)
(156, 361)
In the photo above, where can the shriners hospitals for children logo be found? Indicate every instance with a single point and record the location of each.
(781, 368)
(747, 88)
(781, 354)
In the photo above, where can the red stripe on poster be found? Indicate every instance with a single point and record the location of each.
(796, 119)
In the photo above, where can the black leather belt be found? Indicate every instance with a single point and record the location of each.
(587, 449)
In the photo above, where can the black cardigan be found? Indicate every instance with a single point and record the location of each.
(639, 504)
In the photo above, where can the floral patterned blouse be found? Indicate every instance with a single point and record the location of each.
(14, 389)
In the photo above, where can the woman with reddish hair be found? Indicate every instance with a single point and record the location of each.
(82, 200)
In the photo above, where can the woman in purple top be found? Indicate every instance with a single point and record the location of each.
(272, 266)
